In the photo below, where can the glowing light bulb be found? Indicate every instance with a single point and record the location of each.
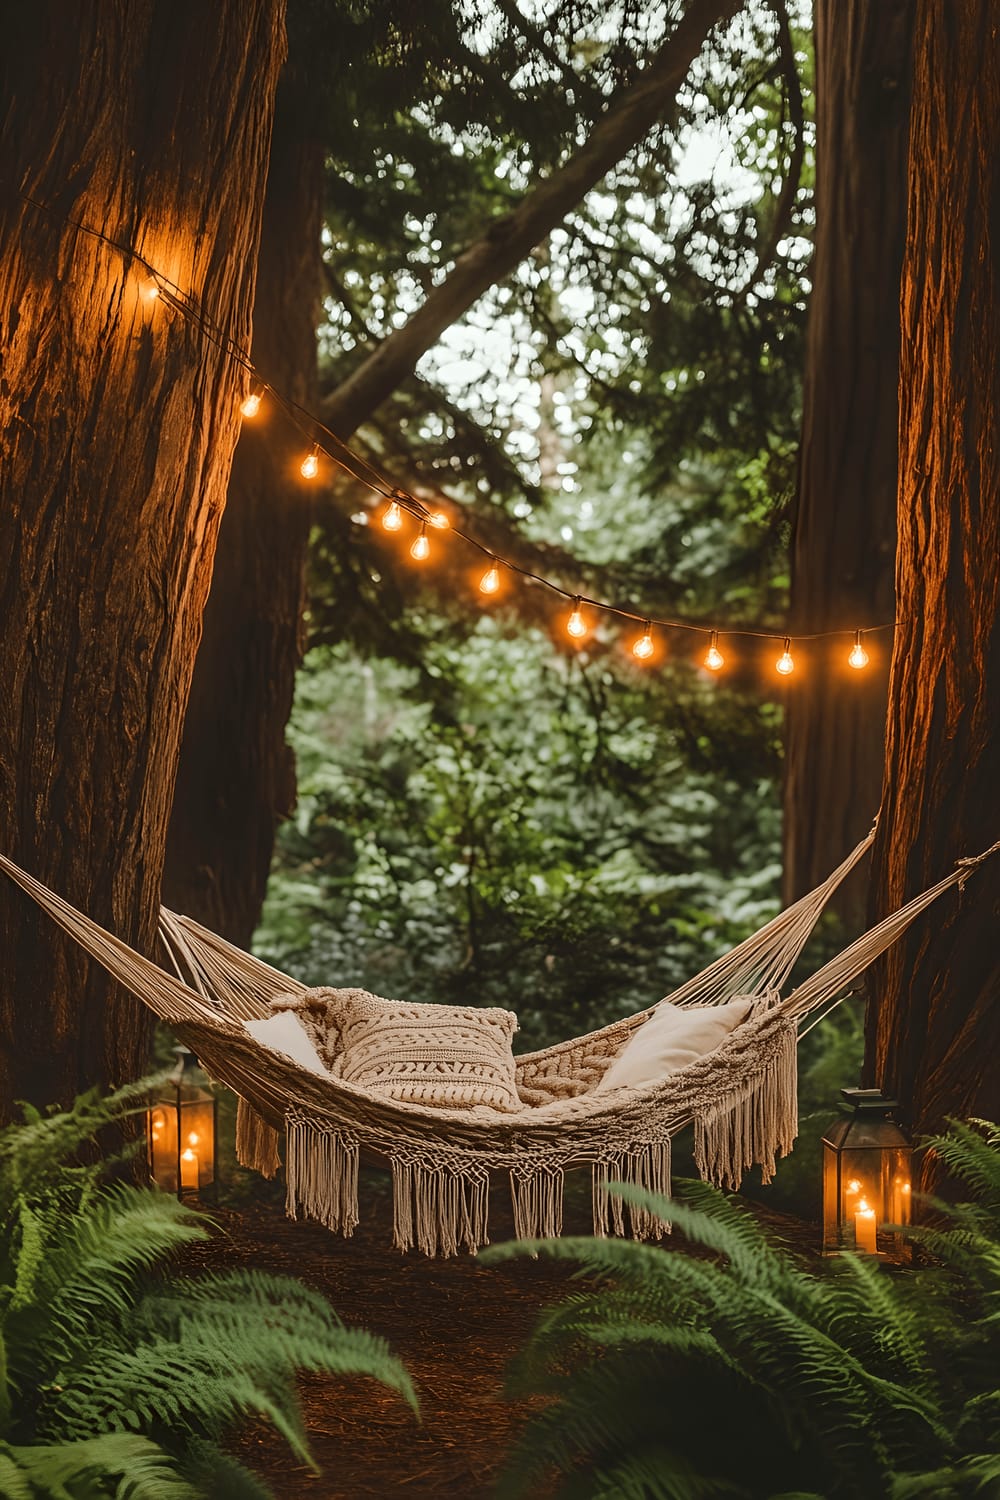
(421, 546)
(784, 664)
(576, 625)
(392, 517)
(643, 647)
(250, 406)
(151, 289)
(438, 519)
(310, 464)
(192, 1138)
(714, 658)
(859, 656)
(490, 581)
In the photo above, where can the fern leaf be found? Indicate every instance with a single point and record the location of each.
(143, 1471)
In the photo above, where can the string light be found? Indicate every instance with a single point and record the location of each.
(714, 659)
(576, 625)
(490, 581)
(643, 648)
(859, 656)
(421, 546)
(154, 285)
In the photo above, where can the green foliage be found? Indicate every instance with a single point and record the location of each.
(118, 1378)
(515, 828)
(736, 1371)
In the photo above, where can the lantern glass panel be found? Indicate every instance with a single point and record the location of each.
(867, 1162)
(181, 1132)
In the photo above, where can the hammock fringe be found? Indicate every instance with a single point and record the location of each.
(536, 1194)
(438, 1206)
(256, 1141)
(754, 1122)
(322, 1173)
(649, 1169)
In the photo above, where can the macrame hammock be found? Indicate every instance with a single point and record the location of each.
(740, 1097)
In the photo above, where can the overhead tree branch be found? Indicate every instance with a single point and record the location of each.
(629, 118)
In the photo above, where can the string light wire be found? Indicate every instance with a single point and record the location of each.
(322, 440)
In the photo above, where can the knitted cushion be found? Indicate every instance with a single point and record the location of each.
(672, 1037)
(447, 1056)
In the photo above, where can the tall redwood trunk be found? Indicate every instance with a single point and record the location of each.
(148, 121)
(845, 530)
(237, 774)
(934, 1025)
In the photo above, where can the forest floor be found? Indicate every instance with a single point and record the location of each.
(456, 1325)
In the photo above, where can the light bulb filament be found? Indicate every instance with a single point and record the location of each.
(859, 656)
(785, 664)
(310, 464)
(576, 626)
(714, 658)
(490, 581)
(643, 647)
(421, 546)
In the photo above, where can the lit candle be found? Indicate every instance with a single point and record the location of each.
(189, 1169)
(864, 1228)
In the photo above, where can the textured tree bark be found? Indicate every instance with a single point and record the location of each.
(934, 1023)
(845, 527)
(237, 778)
(237, 774)
(150, 122)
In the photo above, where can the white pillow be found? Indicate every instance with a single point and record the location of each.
(285, 1033)
(673, 1037)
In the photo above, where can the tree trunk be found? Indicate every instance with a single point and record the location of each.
(148, 122)
(845, 528)
(237, 774)
(236, 778)
(934, 1025)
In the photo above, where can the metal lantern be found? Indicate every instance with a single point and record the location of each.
(867, 1166)
(181, 1128)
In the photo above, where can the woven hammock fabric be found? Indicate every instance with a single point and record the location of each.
(741, 1097)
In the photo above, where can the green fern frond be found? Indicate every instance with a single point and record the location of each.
(34, 1154)
(217, 1474)
(138, 1468)
(14, 1482)
(872, 1317)
(971, 1153)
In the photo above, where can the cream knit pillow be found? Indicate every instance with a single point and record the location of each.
(448, 1056)
(670, 1039)
(285, 1033)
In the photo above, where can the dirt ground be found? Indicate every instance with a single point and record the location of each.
(455, 1324)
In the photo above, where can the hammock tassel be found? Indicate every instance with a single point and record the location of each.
(537, 1197)
(256, 1141)
(438, 1206)
(322, 1171)
(756, 1122)
(647, 1168)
